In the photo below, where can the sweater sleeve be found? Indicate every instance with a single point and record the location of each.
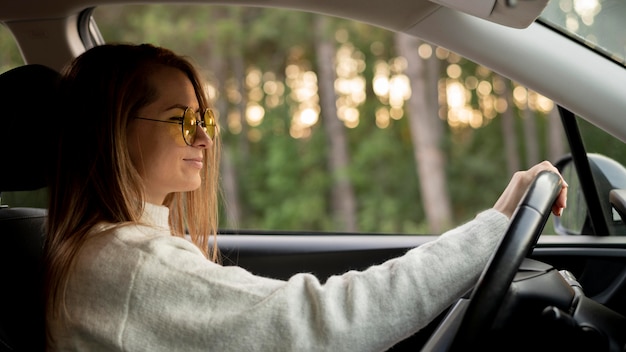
(162, 295)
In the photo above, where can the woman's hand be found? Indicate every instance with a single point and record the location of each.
(513, 193)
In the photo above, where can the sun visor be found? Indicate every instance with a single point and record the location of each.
(479, 8)
(511, 13)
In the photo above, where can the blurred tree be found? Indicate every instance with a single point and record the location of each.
(426, 132)
(343, 202)
(531, 139)
(218, 60)
(556, 138)
(280, 174)
(508, 126)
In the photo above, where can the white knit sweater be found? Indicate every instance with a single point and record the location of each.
(137, 288)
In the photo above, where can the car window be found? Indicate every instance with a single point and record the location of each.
(606, 160)
(10, 56)
(594, 23)
(298, 158)
(319, 128)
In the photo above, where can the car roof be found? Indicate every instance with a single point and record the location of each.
(527, 52)
(397, 15)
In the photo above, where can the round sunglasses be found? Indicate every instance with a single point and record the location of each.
(189, 121)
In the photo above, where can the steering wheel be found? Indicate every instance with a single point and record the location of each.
(468, 321)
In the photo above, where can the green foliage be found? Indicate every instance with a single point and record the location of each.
(599, 141)
(384, 176)
(283, 182)
(476, 169)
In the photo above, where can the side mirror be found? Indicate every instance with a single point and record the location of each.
(609, 177)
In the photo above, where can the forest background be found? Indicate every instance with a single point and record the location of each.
(335, 125)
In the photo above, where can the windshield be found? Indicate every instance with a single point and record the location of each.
(599, 24)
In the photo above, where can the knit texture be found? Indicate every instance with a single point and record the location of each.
(137, 288)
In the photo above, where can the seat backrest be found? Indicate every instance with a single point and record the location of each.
(27, 148)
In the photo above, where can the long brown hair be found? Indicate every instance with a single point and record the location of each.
(94, 180)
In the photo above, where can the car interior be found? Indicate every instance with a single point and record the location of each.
(22, 228)
(540, 293)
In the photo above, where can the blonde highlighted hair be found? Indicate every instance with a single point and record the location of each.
(94, 180)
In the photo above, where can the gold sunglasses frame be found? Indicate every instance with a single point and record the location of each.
(207, 123)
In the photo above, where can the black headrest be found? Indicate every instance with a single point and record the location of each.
(27, 126)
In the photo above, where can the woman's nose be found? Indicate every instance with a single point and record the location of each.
(203, 139)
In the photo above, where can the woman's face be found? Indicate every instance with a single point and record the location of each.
(158, 151)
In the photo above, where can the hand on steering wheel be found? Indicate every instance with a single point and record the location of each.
(465, 326)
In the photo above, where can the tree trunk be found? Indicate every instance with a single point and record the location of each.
(343, 201)
(508, 130)
(530, 136)
(426, 132)
(556, 138)
(219, 57)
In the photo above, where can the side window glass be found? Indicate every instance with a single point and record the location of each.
(335, 125)
(10, 56)
(601, 142)
(574, 220)
(607, 162)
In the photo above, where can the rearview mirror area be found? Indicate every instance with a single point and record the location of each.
(609, 179)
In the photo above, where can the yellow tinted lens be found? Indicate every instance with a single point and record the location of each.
(189, 126)
(209, 123)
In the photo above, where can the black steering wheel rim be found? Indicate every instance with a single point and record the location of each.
(520, 237)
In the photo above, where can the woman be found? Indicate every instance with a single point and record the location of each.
(135, 173)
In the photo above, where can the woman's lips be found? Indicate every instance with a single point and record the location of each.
(195, 162)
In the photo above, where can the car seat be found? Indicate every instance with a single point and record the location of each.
(27, 147)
